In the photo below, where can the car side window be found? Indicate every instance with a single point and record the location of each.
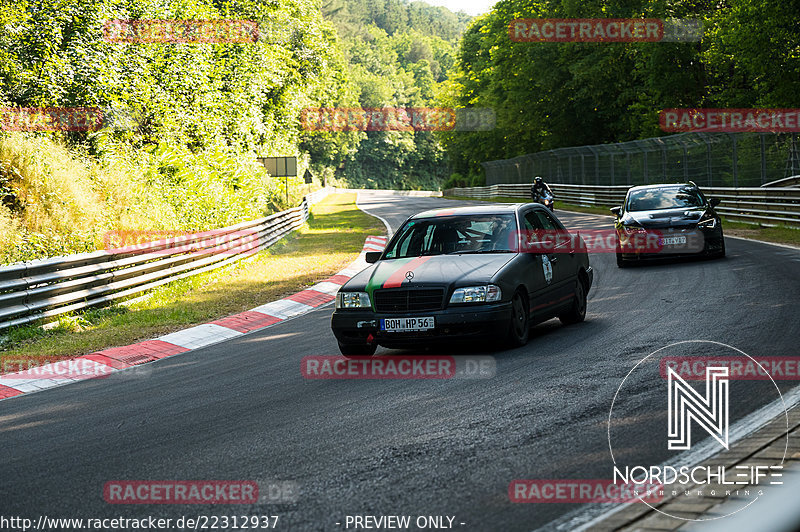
(547, 222)
(529, 221)
(532, 227)
(554, 229)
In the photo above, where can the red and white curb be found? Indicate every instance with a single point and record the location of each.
(103, 363)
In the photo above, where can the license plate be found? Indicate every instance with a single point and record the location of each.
(407, 324)
(673, 240)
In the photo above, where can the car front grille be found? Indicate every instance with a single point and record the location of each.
(404, 300)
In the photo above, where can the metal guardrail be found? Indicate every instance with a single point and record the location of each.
(759, 205)
(793, 181)
(41, 289)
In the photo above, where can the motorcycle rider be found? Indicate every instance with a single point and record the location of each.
(538, 188)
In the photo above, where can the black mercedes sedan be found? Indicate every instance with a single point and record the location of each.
(460, 274)
(662, 221)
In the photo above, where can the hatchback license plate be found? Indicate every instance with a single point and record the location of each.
(407, 324)
(672, 240)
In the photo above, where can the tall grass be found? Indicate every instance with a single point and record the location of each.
(56, 200)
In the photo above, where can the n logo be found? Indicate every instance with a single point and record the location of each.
(685, 405)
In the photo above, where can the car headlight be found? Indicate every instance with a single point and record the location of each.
(353, 300)
(633, 229)
(476, 294)
(707, 223)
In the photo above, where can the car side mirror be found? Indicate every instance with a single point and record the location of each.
(616, 210)
(714, 202)
(373, 256)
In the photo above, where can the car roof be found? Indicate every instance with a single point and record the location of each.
(496, 208)
(664, 185)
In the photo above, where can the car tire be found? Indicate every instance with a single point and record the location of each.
(620, 261)
(721, 253)
(519, 329)
(576, 313)
(357, 350)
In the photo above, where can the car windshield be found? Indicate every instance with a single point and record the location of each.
(653, 199)
(488, 233)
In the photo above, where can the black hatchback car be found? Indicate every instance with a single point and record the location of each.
(459, 274)
(663, 221)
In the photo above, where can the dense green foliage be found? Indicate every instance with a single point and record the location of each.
(395, 16)
(397, 53)
(187, 120)
(550, 95)
(183, 122)
(245, 96)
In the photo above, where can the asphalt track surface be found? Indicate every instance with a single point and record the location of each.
(240, 410)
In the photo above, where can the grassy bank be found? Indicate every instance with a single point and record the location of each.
(780, 234)
(331, 240)
(57, 200)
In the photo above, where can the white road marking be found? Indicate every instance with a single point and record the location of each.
(200, 336)
(787, 246)
(284, 308)
(326, 287)
(388, 227)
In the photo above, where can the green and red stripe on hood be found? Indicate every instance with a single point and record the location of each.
(394, 277)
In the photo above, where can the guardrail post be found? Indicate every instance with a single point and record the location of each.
(583, 169)
(685, 163)
(628, 157)
(646, 173)
(708, 161)
(612, 168)
(571, 180)
(735, 160)
(596, 165)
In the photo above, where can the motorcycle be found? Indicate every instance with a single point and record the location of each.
(546, 199)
